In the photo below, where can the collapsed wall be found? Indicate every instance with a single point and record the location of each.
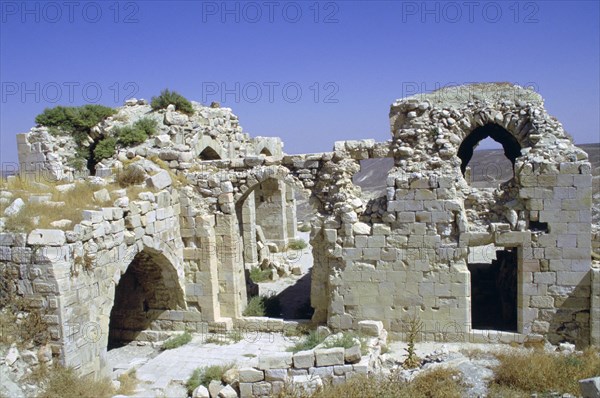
(216, 202)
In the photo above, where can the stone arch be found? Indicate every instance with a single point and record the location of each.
(265, 151)
(209, 153)
(148, 286)
(511, 146)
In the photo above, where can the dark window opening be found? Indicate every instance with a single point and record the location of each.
(494, 292)
(538, 226)
(209, 154)
(510, 145)
(265, 152)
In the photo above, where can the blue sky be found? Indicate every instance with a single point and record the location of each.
(309, 72)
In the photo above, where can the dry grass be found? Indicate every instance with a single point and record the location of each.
(130, 175)
(65, 383)
(525, 373)
(128, 382)
(41, 215)
(20, 323)
(436, 383)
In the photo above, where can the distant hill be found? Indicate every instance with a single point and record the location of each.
(488, 168)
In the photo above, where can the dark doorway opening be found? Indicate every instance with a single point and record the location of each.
(147, 289)
(494, 292)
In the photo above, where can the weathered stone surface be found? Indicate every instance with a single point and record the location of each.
(590, 388)
(201, 392)
(227, 392)
(370, 328)
(15, 207)
(251, 375)
(352, 354)
(275, 361)
(329, 356)
(160, 180)
(46, 237)
(304, 359)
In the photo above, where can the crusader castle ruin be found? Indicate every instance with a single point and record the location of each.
(177, 255)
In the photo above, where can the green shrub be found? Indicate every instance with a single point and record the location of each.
(137, 133)
(177, 341)
(256, 307)
(105, 148)
(147, 125)
(130, 136)
(297, 244)
(167, 97)
(204, 375)
(76, 121)
(259, 275)
(310, 341)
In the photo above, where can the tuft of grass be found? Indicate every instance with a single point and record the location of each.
(167, 97)
(304, 227)
(177, 341)
(128, 382)
(65, 383)
(310, 341)
(130, 175)
(204, 375)
(297, 244)
(544, 372)
(259, 275)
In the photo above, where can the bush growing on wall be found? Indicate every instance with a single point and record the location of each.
(167, 97)
(76, 122)
(137, 133)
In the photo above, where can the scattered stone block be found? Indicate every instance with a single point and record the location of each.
(352, 354)
(590, 388)
(160, 180)
(370, 328)
(250, 375)
(15, 207)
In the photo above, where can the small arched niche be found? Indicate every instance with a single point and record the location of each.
(209, 153)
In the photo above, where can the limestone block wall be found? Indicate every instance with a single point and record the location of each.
(407, 253)
(73, 275)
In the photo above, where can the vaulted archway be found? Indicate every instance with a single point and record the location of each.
(148, 288)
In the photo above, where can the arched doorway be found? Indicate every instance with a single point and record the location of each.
(148, 288)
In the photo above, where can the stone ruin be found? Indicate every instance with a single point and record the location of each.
(178, 257)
